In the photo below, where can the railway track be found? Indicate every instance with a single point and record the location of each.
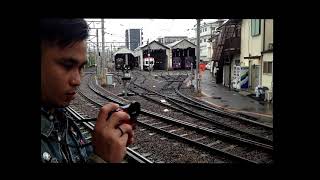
(203, 138)
(229, 122)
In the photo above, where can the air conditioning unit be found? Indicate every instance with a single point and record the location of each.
(270, 46)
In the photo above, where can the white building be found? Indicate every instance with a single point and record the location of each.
(257, 51)
(207, 30)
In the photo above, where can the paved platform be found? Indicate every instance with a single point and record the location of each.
(233, 101)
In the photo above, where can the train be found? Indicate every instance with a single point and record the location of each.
(176, 63)
(147, 62)
(188, 61)
(182, 58)
(120, 61)
(182, 62)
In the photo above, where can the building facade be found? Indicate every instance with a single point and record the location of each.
(133, 38)
(158, 51)
(257, 52)
(226, 52)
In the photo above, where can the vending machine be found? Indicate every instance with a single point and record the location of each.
(236, 77)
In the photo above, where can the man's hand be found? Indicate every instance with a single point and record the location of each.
(108, 141)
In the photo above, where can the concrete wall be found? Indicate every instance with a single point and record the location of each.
(267, 79)
(140, 54)
(169, 59)
(251, 46)
(226, 74)
(268, 33)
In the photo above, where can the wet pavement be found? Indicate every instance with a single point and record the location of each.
(233, 101)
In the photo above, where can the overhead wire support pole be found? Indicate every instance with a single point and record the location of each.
(198, 57)
(103, 59)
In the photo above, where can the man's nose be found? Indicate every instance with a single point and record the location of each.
(76, 79)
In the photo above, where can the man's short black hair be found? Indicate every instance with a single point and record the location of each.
(63, 32)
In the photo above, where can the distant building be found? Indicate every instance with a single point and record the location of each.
(207, 31)
(133, 38)
(158, 51)
(170, 39)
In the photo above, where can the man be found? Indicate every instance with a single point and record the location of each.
(63, 56)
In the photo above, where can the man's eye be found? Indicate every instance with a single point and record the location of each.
(68, 65)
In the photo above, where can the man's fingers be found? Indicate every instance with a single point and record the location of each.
(116, 117)
(124, 139)
(103, 114)
(126, 129)
(130, 141)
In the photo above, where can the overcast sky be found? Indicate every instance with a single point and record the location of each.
(152, 28)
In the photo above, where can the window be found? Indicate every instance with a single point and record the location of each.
(200, 40)
(204, 40)
(255, 27)
(267, 67)
(205, 29)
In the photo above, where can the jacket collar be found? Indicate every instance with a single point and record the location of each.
(47, 122)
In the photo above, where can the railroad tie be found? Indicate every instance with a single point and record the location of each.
(146, 154)
(182, 135)
(155, 123)
(164, 126)
(134, 148)
(229, 147)
(198, 139)
(175, 130)
(145, 121)
(214, 143)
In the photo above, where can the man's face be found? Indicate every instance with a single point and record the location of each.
(61, 72)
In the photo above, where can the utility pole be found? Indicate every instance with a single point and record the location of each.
(98, 55)
(103, 76)
(198, 57)
(111, 57)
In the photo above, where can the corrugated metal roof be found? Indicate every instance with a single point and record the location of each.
(177, 42)
(124, 51)
(174, 43)
(154, 41)
(140, 47)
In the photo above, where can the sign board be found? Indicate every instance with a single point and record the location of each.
(244, 78)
